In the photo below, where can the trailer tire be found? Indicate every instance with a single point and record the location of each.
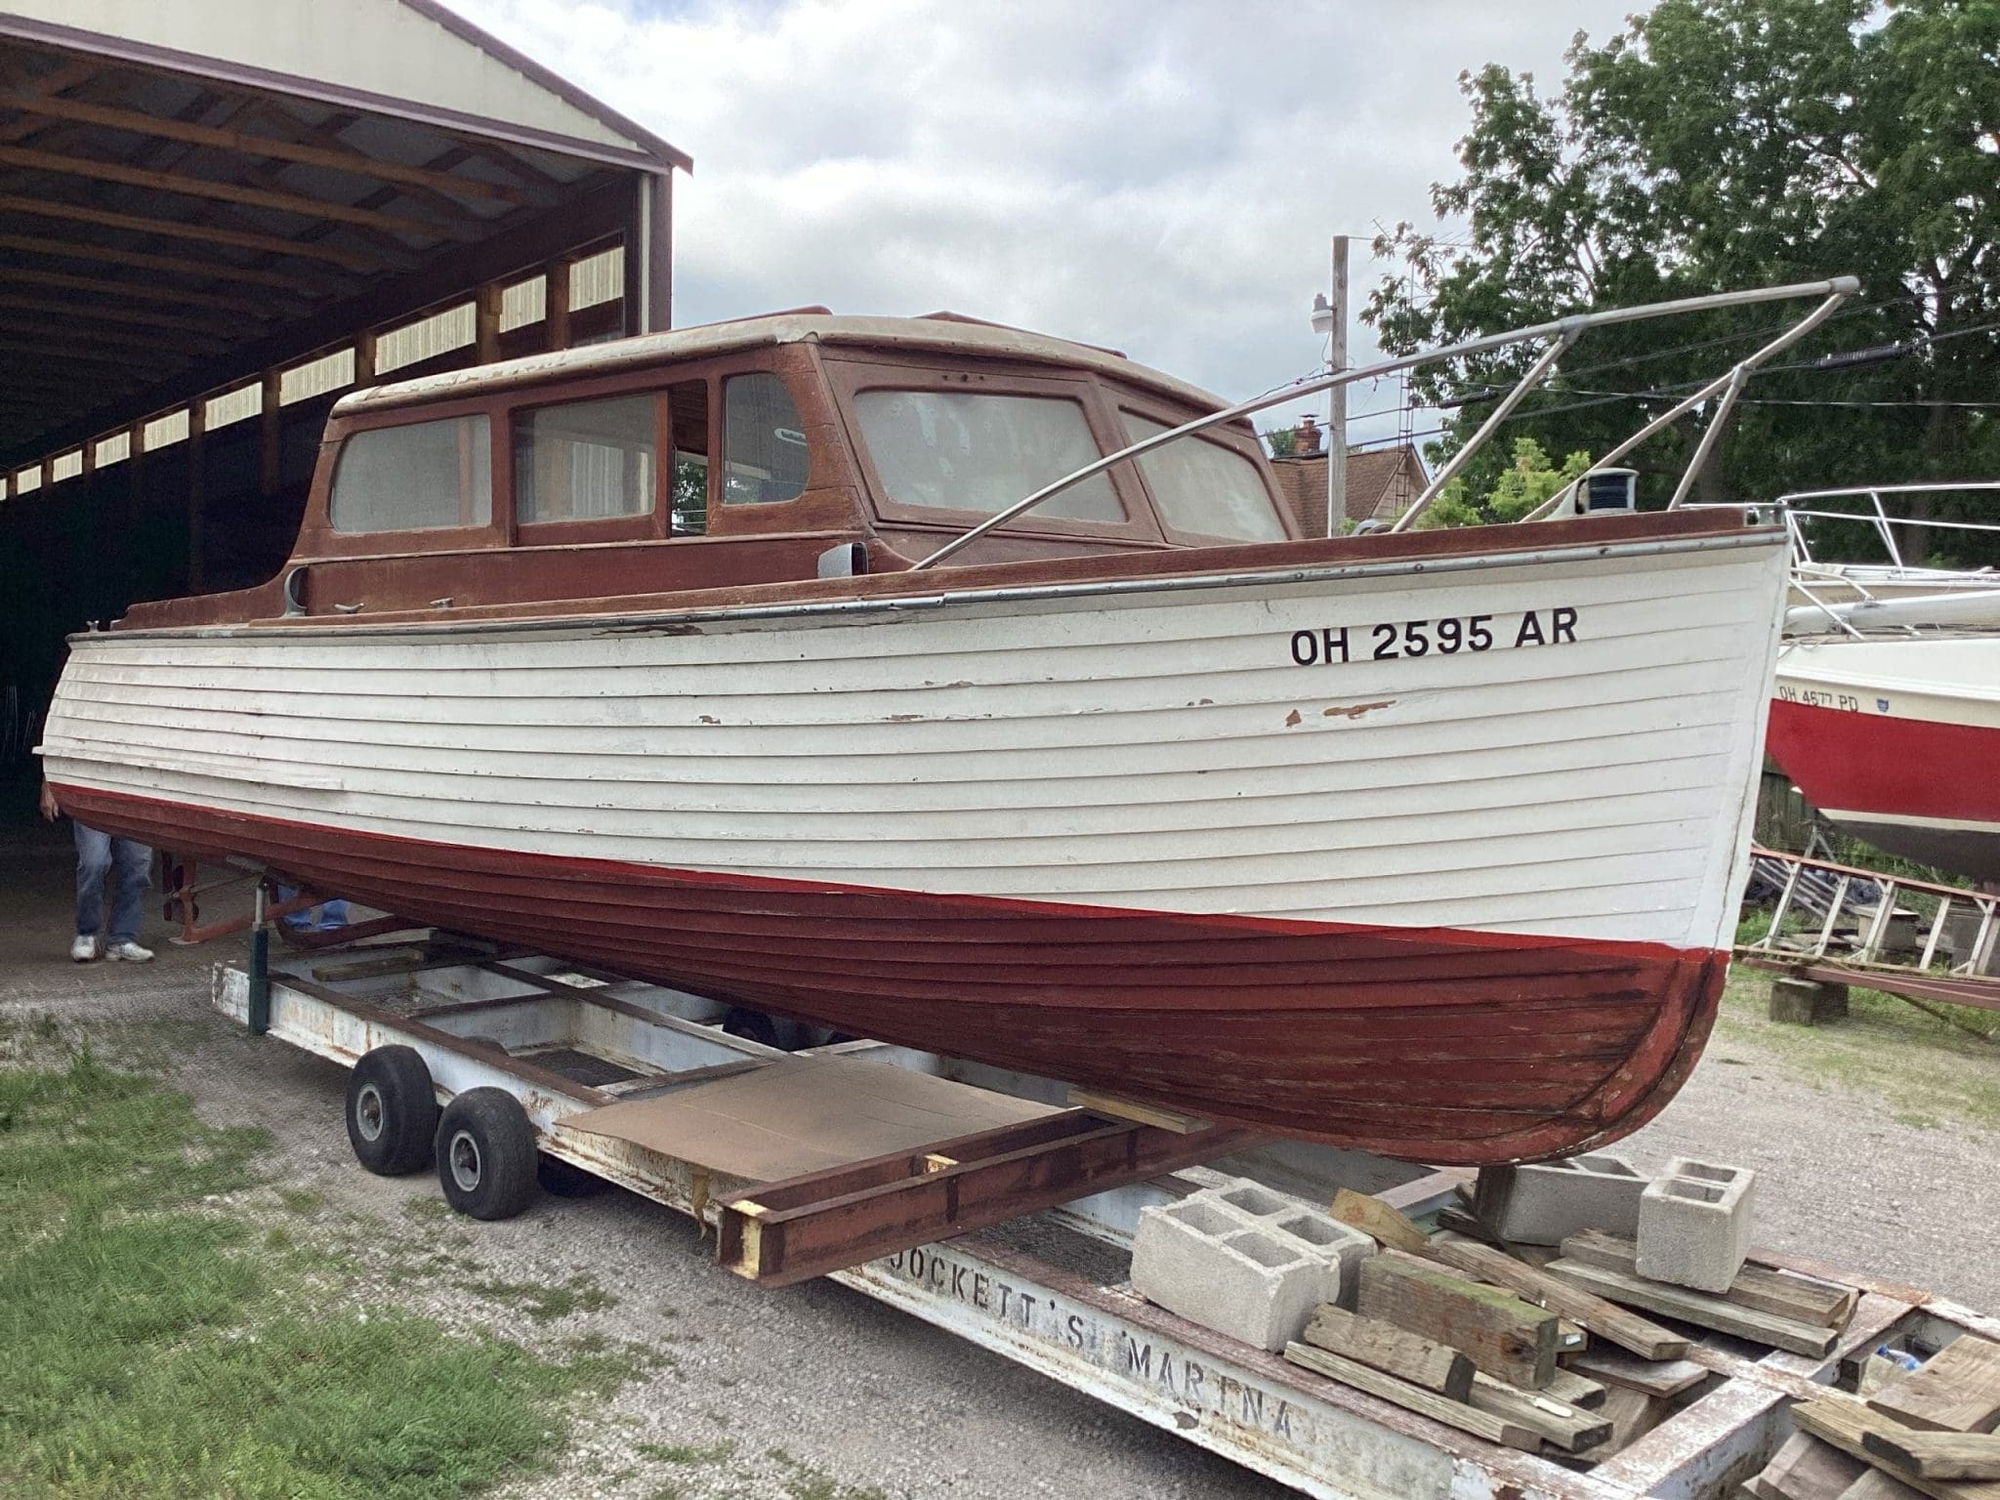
(392, 1111)
(565, 1179)
(486, 1154)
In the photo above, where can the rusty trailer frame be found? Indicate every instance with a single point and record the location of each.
(486, 1022)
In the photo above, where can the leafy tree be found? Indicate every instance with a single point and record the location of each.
(1284, 441)
(1730, 143)
(1519, 488)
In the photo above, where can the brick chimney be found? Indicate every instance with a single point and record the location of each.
(1308, 436)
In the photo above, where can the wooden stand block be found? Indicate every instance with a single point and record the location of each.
(1807, 1002)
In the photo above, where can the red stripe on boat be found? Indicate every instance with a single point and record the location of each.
(1436, 1045)
(1878, 763)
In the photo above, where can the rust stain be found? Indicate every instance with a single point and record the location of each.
(902, 718)
(1355, 711)
(710, 719)
(1294, 719)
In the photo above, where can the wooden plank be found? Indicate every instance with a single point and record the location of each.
(213, 234)
(1789, 1296)
(1938, 1455)
(1137, 1111)
(1846, 1423)
(1877, 1485)
(1957, 1390)
(222, 192)
(1377, 1219)
(1632, 1414)
(1507, 1338)
(1651, 1377)
(1807, 1469)
(1567, 1426)
(1395, 1351)
(1696, 1307)
(1577, 1390)
(1615, 1324)
(244, 144)
(1414, 1398)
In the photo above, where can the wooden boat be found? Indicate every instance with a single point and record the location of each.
(1426, 843)
(1886, 711)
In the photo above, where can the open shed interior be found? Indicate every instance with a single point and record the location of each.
(216, 218)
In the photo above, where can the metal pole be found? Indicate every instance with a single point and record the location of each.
(1336, 425)
(259, 1018)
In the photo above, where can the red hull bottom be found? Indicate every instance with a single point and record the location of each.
(1912, 787)
(1432, 1045)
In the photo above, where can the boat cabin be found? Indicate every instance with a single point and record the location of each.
(770, 450)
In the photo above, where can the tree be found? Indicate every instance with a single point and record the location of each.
(1517, 491)
(1729, 143)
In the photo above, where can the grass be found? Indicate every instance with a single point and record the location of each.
(157, 1348)
(547, 1301)
(1929, 1073)
(684, 1453)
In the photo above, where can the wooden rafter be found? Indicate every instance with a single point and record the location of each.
(67, 356)
(213, 270)
(324, 136)
(221, 192)
(245, 144)
(66, 334)
(143, 291)
(90, 312)
(49, 84)
(214, 234)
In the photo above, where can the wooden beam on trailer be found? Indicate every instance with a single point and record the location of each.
(221, 192)
(213, 234)
(807, 1226)
(213, 270)
(243, 143)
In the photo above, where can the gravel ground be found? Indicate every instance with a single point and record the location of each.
(859, 1399)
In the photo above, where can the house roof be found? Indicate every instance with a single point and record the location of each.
(1372, 477)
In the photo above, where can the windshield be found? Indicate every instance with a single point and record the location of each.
(1205, 489)
(980, 452)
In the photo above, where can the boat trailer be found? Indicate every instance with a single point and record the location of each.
(983, 1202)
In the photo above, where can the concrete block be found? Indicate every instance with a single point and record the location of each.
(1694, 1224)
(1339, 1247)
(1199, 1260)
(1807, 1002)
(1546, 1203)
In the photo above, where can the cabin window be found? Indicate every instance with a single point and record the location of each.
(585, 460)
(980, 452)
(687, 407)
(763, 442)
(1204, 489)
(425, 476)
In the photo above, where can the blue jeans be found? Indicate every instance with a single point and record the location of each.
(96, 855)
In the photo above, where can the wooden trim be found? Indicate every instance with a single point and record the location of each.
(242, 143)
(210, 233)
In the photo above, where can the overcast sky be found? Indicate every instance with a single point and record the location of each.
(1163, 176)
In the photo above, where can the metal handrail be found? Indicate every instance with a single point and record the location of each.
(1566, 330)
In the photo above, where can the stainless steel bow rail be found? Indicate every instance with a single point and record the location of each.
(596, 1061)
(1841, 924)
(1559, 335)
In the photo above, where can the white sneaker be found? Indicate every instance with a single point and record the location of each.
(84, 949)
(130, 952)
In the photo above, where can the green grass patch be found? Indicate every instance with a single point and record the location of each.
(157, 1349)
(1929, 1073)
(686, 1453)
(546, 1301)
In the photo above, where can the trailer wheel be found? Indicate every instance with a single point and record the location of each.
(486, 1154)
(565, 1179)
(392, 1111)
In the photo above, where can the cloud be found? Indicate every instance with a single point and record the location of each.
(1163, 176)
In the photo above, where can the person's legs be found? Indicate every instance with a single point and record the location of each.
(135, 874)
(93, 860)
